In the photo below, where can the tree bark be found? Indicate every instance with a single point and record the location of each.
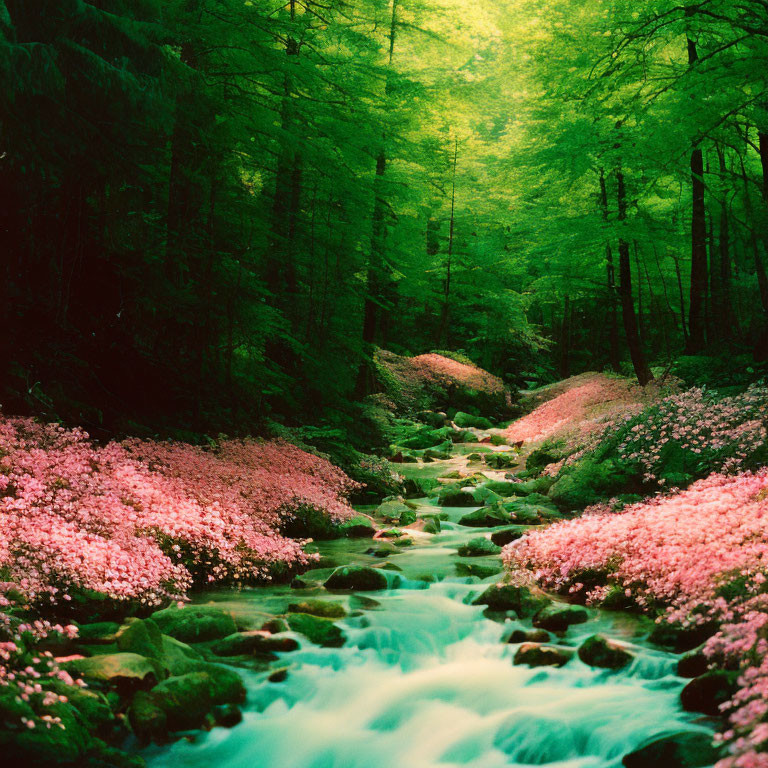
(613, 321)
(696, 335)
(639, 363)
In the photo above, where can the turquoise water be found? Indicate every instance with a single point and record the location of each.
(426, 681)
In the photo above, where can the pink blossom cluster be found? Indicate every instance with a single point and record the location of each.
(444, 371)
(582, 405)
(696, 557)
(718, 434)
(141, 520)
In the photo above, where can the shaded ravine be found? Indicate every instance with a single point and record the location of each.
(425, 679)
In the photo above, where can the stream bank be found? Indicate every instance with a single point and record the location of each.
(421, 675)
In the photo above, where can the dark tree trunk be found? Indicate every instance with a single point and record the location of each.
(613, 321)
(642, 370)
(442, 336)
(696, 336)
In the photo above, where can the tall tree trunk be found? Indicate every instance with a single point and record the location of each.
(375, 278)
(720, 277)
(613, 320)
(565, 339)
(696, 336)
(642, 370)
(442, 336)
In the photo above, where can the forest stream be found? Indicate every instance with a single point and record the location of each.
(427, 679)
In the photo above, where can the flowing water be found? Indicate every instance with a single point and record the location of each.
(425, 680)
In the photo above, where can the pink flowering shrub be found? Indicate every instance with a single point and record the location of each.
(141, 520)
(581, 405)
(699, 557)
(434, 380)
(693, 433)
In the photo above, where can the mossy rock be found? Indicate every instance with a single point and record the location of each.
(510, 597)
(179, 657)
(358, 527)
(599, 651)
(140, 636)
(506, 488)
(392, 511)
(98, 633)
(455, 497)
(557, 617)
(432, 525)
(120, 669)
(195, 623)
(485, 496)
(468, 421)
(479, 547)
(148, 720)
(319, 630)
(707, 692)
(486, 517)
(681, 749)
(478, 570)
(537, 655)
(324, 608)
(254, 642)
(187, 699)
(357, 577)
(528, 636)
(501, 460)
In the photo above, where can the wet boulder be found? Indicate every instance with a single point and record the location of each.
(479, 547)
(140, 636)
(599, 651)
(98, 633)
(510, 597)
(127, 671)
(227, 715)
(148, 721)
(357, 577)
(537, 655)
(358, 527)
(479, 570)
(319, 630)
(501, 460)
(485, 517)
(395, 511)
(557, 617)
(456, 497)
(178, 657)
(507, 535)
(324, 608)
(693, 663)
(195, 623)
(680, 639)
(529, 636)
(254, 642)
(468, 421)
(707, 692)
(683, 749)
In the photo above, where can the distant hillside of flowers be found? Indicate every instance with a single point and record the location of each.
(581, 404)
(142, 521)
(696, 557)
(435, 380)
